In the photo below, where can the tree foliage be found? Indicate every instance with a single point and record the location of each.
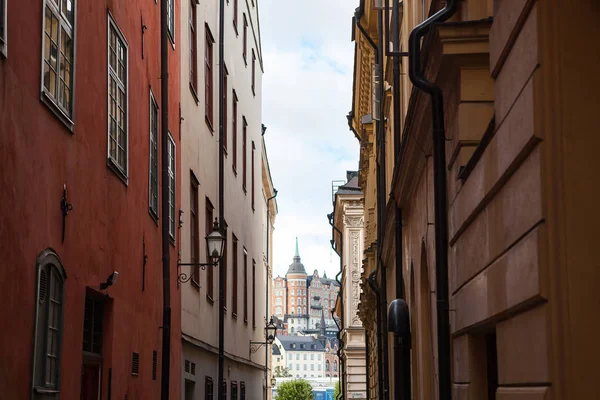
(336, 391)
(282, 372)
(298, 389)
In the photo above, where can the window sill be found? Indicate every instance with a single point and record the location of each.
(153, 215)
(235, 28)
(210, 299)
(225, 152)
(3, 50)
(246, 321)
(60, 114)
(42, 390)
(234, 170)
(209, 123)
(117, 171)
(244, 189)
(245, 60)
(195, 285)
(234, 315)
(171, 39)
(172, 240)
(194, 94)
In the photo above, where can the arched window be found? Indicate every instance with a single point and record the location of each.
(293, 300)
(49, 326)
(299, 310)
(278, 311)
(334, 365)
(327, 366)
(278, 301)
(304, 310)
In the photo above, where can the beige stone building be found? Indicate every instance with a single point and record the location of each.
(246, 186)
(514, 318)
(348, 237)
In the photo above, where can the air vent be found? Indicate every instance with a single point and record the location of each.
(193, 369)
(135, 364)
(154, 362)
(43, 285)
(187, 366)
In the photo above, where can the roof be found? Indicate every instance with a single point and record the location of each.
(351, 186)
(300, 343)
(275, 350)
(296, 267)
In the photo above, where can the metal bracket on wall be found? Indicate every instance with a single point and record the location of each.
(65, 207)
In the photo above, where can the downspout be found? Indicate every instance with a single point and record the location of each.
(381, 210)
(166, 256)
(222, 271)
(269, 281)
(341, 295)
(382, 354)
(418, 78)
(373, 286)
(367, 368)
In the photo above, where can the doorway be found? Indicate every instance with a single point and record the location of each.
(90, 381)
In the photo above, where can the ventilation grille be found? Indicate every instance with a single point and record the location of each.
(135, 364)
(187, 366)
(43, 285)
(154, 362)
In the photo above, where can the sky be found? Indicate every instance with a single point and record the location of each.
(307, 93)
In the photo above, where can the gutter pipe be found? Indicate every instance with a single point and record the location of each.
(373, 286)
(418, 78)
(269, 282)
(381, 211)
(222, 271)
(166, 256)
(341, 295)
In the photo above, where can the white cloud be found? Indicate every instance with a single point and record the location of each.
(307, 92)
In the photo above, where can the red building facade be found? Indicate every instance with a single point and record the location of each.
(79, 109)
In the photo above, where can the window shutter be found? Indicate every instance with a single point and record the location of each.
(135, 364)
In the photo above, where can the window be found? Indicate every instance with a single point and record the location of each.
(289, 356)
(319, 367)
(305, 367)
(57, 66)
(299, 310)
(252, 174)
(326, 365)
(244, 152)
(3, 27)
(245, 285)
(193, 50)
(194, 230)
(312, 356)
(234, 391)
(208, 388)
(319, 357)
(234, 288)
(253, 73)
(171, 171)
(253, 293)
(278, 302)
(208, 220)
(49, 326)
(245, 41)
(117, 90)
(334, 365)
(225, 106)
(305, 355)
(242, 391)
(234, 131)
(171, 19)
(208, 78)
(235, 16)
(153, 191)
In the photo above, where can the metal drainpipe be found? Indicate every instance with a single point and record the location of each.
(382, 210)
(341, 294)
(166, 257)
(440, 195)
(269, 281)
(373, 286)
(368, 370)
(222, 272)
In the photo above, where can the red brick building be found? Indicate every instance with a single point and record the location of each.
(79, 108)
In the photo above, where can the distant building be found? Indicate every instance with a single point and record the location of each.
(304, 302)
(303, 356)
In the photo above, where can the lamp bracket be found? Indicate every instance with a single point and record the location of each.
(255, 345)
(183, 277)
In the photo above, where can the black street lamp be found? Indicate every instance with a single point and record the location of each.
(270, 333)
(215, 242)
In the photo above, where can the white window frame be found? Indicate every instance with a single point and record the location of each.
(171, 20)
(66, 116)
(171, 151)
(4, 33)
(122, 172)
(153, 212)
